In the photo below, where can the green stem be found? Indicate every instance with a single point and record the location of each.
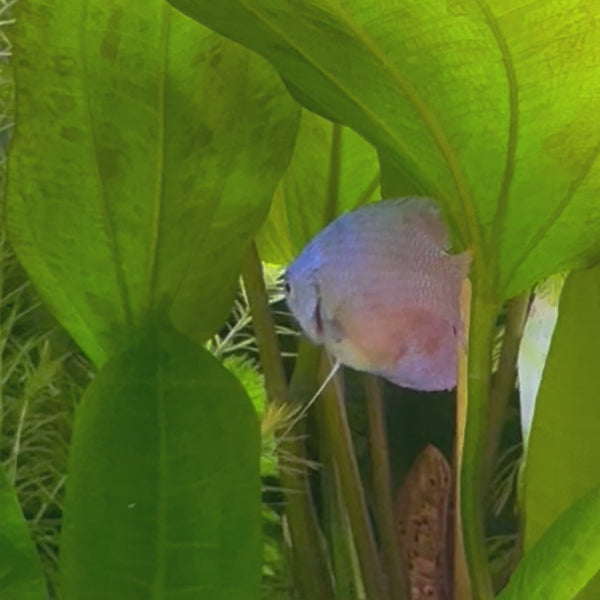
(460, 580)
(481, 338)
(335, 521)
(311, 565)
(380, 468)
(506, 375)
(333, 177)
(366, 194)
(338, 432)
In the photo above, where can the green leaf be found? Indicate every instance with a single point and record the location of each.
(332, 170)
(563, 455)
(564, 558)
(490, 108)
(163, 496)
(21, 575)
(145, 156)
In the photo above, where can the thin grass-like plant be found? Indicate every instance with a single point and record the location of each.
(41, 381)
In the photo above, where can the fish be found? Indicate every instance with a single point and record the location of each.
(379, 289)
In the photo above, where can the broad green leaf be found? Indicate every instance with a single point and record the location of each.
(488, 106)
(332, 170)
(21, 575)
(564, 454)
(145, 156)
(163, 496)
(564, 559)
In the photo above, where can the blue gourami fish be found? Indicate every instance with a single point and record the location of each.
(379, 289)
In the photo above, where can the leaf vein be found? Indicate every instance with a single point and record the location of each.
(513, 133)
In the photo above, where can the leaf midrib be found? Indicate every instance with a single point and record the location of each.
(158, 196)
(101, 196)
(513, 133)
(159, 582)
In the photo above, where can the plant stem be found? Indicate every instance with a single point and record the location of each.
(338, 432)
(460, 580)
(333, 176)
(506, 375)
(335, 519)
(380, 467)
(264, 327)
(481, 338)
(309, 556)
(366, 194)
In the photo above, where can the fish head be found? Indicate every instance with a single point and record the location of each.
(303, 294)
(312, 296)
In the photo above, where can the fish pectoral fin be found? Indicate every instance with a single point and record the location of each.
(332, 329)
(330, 319)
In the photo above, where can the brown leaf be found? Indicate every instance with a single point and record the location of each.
(421, 510)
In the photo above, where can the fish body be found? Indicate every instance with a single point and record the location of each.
(380, 291)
